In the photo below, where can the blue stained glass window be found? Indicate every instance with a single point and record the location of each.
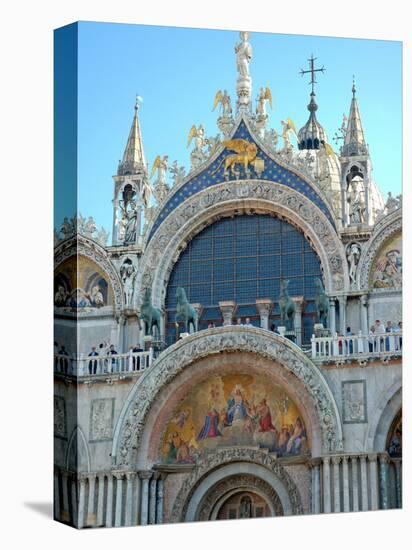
(242, 259)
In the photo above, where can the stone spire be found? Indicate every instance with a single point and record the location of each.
(133, 158)
(354, 144)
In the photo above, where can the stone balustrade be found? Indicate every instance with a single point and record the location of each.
(355, 347)
(103, 364)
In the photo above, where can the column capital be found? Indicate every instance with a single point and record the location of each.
(345, 459)
(364, 299)
(145, 474)
(299, 301)
(354, 458)
(130, 475)
(372, 457)
(384, 458)
(336, 460)
(326, 460)
(118, 475)
(264, 306)
(362, 458)
(313, 462)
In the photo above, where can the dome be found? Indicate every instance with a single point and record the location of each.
(312, 135)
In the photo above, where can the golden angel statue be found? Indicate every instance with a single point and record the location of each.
(329, 151)
(224, 100)
(264, 96)
(161, 166)
(287, 127)
(198, 134)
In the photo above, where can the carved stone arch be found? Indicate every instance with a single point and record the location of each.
(238, 197)
(77, 450)
(88, 248)
(384, 230)
(388, 406)
(222, 464)
(183, 355)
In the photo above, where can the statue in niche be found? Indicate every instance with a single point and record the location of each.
(356, 202)
(353, 255)
(245, 510)
(244, 54)
(321, 303)
(150, 315)
(128, 274)
(287, 306)
(129, 222)
(185, 312)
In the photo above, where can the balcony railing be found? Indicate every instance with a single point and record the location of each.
(356, 347)
(101, 365)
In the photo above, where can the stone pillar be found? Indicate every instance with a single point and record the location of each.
(315, 490)
(91, 517)
(159, 499)
(228, 310)
(100, 500)
(82, 489)
(368, 209)
(332, 315)
(119, 499)
(264, 308)
(326, 486)
(153, 499)
(398, 482)
(364, 483)
(363, 304)
(383, 480)
(336, 483)
(136, 499)
(56, 498)
(342, 314)
(65, 516)
(355, 487)
(109, 503)
(144, 510)
(299, 300)
(373, 481)
(345, 482)
(130, 476)
(73, 488)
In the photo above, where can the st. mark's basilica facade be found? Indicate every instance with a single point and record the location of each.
(236, 350)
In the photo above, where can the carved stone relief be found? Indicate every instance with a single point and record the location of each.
(354, 402)
(101, 419)
(60, 421)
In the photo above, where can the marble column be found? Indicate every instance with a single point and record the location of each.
(153, 498)
(326, 486)
(119, 499)
(398, 482)
(383, 480)
(91, 517)
(336, 483)
(342, 314)
(345, 482)
(228, 309)
(82, 490)
(363, 304)
(264, 308)
(100, 500)
(355, 485)
(315, 466)
(144, 510)
(373, 480)
(56, 496)
(364, 483)
(159, 499)
(109, 503)
(130, 476)
(73, 486)
(299, 301)
(65, 515)
(332, 315)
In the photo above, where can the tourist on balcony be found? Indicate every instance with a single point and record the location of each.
(64, 363)
(274, 328)
(113, 352)
(248, 323)
(136, 360)
(211, 325)
(349, 343)
(239, 322)
(388, 330)
(93, 363)
(380, 330)
(398, 339)
(372, 339)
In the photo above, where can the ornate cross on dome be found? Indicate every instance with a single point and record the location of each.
(312, 70)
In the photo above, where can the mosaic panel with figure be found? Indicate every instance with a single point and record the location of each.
(235, 409)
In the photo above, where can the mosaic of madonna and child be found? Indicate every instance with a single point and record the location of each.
(232, 410)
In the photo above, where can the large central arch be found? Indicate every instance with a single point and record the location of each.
(236, 197)
(185, 356)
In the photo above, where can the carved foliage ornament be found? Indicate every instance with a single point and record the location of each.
(179, 356)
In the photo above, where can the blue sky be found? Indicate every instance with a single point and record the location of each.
(177, 72)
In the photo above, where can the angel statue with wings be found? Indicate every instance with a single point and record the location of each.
(264, 95)
(197, 156)
(225, 103)
(161, 166)
(287, 127)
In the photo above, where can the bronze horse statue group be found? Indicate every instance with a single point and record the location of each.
(288, 308)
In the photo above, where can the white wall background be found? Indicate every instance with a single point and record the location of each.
(26, 280)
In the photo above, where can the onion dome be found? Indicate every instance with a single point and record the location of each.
(312, 135)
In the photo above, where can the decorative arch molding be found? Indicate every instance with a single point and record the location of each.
(222, 464)
(241, 197)
(177, 358)
(383, 231)
(216, 497)
(389, 404)
(78, 443)
(81, 246)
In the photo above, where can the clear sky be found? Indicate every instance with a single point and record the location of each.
(178, 71)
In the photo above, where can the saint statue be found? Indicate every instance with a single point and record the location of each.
(244, 53)
(353, 255)
(356, 203)
(130, 222)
